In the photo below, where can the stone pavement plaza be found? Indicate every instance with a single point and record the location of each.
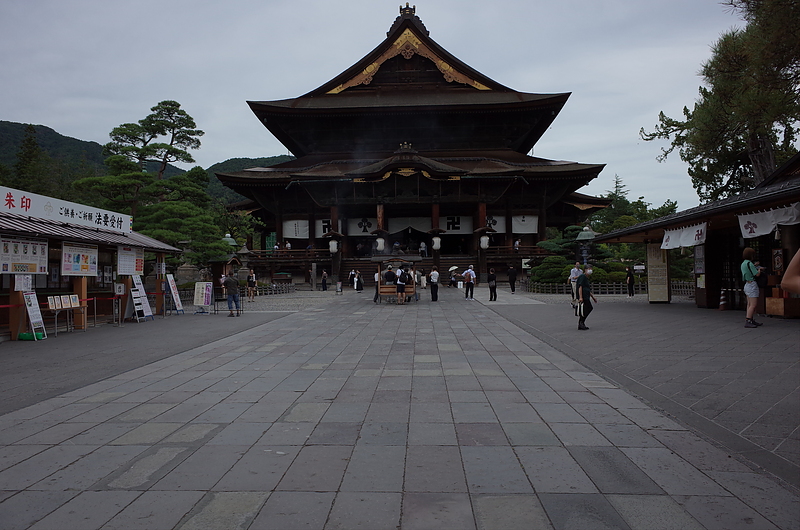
(343, 414)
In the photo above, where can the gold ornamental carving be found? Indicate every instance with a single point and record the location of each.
(407, 44)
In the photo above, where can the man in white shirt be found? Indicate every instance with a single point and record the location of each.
(469, 283)
(377, 286)
(573, 279)
(434, 284)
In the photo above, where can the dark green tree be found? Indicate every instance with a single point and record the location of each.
(163, 136)
(125, 189)
(745, 121)
(33, 168)
(183, 217)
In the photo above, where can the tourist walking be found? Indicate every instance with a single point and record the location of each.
(512, 279)
(585, 297)
(749, 274)
(377, 287)
(469, 283)
(324, 280)
(629, 281)
(231, 285)
(492, 281)
(358, 282)
(251, 286)
(572, 279)
(435, 284)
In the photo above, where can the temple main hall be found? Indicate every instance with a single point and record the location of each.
(410, 147)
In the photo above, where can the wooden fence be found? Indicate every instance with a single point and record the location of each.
(679, 288)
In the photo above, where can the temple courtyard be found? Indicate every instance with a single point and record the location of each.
(325, 411)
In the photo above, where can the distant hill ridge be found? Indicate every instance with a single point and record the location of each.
(74, 152)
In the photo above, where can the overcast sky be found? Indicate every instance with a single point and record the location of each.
(83, 67)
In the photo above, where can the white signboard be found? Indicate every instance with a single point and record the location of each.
(78, 259)
(298, 229)
(525, 224)
(34, 313)
(203, 293)
(173, 288)
(43, 207)
(139, 287)
(657, 274)
(23, 256)
(23, 282)
(130, 261)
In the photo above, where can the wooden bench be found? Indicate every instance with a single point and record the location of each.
(390, 291)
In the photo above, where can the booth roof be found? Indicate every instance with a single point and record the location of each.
(23, 226)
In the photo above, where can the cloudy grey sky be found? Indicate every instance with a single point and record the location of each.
(83, 67)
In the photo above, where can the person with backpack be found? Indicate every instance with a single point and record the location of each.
(402, 280)
(469, 283)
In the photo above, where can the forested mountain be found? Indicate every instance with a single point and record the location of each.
(78, 158)
(57, 146)
(70, 154)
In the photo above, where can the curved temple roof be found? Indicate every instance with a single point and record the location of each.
(409, 89)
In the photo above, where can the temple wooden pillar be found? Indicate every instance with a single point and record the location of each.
(542, 228)
(509, 226)
(80, 286)
(279, 228)
(17, 316)
(336, 259)
(160, 279)
(312, 228)
(380, 213)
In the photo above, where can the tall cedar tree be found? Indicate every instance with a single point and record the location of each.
(745, 121)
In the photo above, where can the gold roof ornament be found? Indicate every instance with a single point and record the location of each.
(408, 10)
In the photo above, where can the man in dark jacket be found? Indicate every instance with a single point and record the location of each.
(585, 297)
(512, 279)
(231, 285)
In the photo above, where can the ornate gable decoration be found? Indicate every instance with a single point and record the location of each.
(407, 44)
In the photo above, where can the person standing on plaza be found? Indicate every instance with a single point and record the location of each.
(629, 281)
(422, 280)
(434, 284)
(251, 286)
(358, 283)
(585, 297)
(469, 283)
(231, 285)
(572, 279)
(749, 274)
(324, 280)
(512, 279)
(351, 279)
(492, 281)
(389, 277)
(377, 287)
(415, 278)
(400, 281)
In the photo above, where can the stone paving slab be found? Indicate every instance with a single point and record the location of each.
(355, 415)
